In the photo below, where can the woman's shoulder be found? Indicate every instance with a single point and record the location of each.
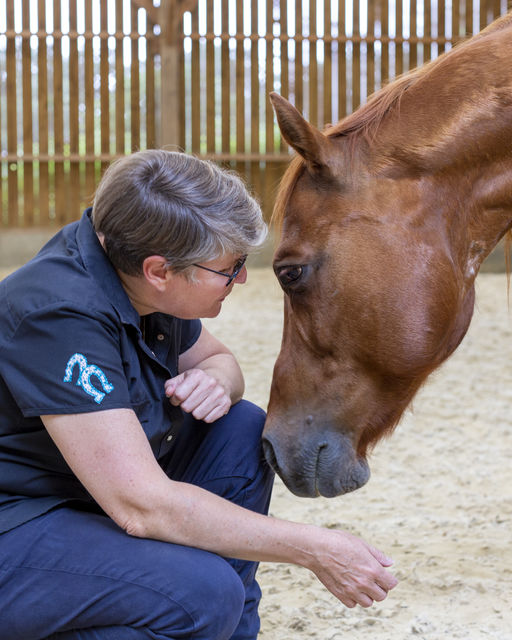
(49, 283)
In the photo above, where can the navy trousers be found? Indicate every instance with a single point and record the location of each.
(75, 575)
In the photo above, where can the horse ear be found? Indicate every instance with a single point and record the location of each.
(306, 139)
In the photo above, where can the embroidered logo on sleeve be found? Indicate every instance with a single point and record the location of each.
(85, 371)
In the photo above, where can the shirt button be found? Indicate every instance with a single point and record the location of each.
(169, 437)
(160, 337)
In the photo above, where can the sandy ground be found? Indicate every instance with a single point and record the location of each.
(439, 500)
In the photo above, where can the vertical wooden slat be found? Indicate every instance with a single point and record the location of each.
(269, 81)
(75, 199)
(42, 96)
(441, 28)
(413, 43)
(427, 31)
(195, 88)
(255, 95)
(313, 64)
(384, 61)
(483, 14)
(171, 47)
(134, 83)
(342, 62)
(180, 61)
(356, 57)
(28, 165)
(12, 120)
(210, 80)
(490, 10)
(299, 70)
(285, 50)
(370, 50)
(225, 80)
(104, 85)
(399, 48)
(89, 104)
(240, 81)
(455, 21)
(269, 172)
(469, 17)
(120, 85)
(150, 91)
(327, 80)
(59, 187)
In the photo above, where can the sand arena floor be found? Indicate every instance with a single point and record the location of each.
(439, 500)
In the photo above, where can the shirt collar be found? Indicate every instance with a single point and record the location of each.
(99, 266)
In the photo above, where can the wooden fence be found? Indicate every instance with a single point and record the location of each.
(84, 81)
(77, 89)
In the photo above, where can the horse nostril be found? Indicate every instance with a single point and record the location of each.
(270, 456)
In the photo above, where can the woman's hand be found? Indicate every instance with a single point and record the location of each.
(351, 569)
(198, 393)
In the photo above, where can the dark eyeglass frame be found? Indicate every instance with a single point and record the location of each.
(239, 265)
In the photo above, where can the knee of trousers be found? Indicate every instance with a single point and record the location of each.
(240, 473)
(240, 430)
(218, 601)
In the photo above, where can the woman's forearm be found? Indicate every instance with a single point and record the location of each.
(351, 569)
(134, 491)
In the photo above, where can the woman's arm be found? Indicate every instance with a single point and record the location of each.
(110, 454)
(209, 382)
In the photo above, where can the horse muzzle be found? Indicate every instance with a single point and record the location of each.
(316, 464)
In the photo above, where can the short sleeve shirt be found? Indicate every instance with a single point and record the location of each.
(70, 342)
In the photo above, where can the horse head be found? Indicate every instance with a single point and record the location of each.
(381, 239)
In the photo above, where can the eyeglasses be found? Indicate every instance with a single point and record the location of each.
(239, 265)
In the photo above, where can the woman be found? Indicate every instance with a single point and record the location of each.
(133, 491)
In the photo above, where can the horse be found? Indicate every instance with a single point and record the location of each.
(385, 219)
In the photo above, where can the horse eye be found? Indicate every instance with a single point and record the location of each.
(289, 275)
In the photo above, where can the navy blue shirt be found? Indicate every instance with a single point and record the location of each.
(70, 343)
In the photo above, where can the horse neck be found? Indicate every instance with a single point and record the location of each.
(451, 132)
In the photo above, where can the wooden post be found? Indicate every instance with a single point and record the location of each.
(171, 16)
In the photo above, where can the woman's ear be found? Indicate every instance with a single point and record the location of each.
(156, 271)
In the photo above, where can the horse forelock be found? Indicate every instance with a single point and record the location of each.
(286, 186)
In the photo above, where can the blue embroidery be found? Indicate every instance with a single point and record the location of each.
(84, 377)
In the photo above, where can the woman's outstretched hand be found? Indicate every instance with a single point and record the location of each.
(351, 569)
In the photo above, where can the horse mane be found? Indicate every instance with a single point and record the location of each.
(366, 119)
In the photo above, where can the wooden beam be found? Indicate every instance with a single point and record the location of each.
(171, 52)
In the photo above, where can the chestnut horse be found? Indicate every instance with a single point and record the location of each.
(385, 220)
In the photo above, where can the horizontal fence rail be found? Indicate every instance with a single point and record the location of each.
(86, 81)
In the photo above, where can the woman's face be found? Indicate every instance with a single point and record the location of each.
(203, 297)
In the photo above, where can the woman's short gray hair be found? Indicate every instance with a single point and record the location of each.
(167, 203)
